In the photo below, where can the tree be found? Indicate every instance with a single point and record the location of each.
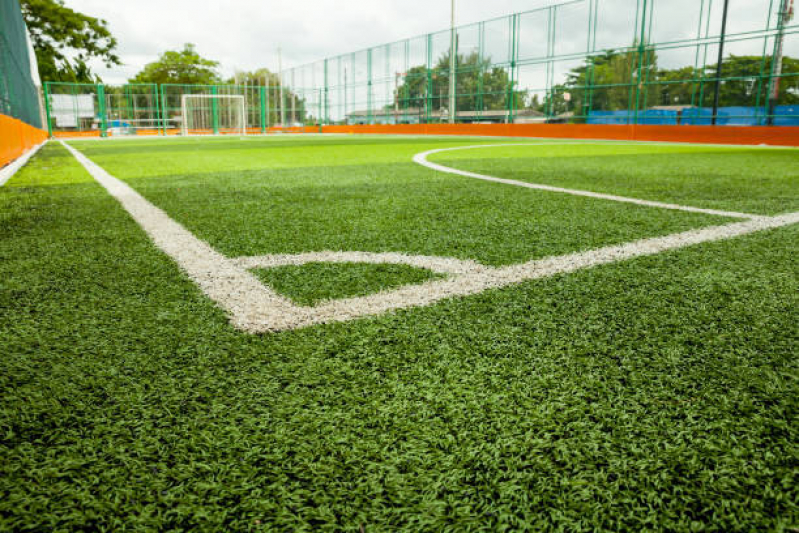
(65, 40)
(261, 76)
(480, 86)
(607, 82)
(184, 67)
(743, 86)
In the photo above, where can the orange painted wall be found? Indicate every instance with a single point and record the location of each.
(75, 134)
(747, 135)
(16, 138)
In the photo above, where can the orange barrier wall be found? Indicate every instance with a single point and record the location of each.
(74, 134)
(16, 138)
(772, 135)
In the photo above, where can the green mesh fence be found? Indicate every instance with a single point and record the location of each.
(581, 61)
(19, 96)
(584, 61)
(171, 109)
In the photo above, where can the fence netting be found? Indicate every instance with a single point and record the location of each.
(19, 94)
(580, 62)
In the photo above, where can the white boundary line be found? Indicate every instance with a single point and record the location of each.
(441, 265)
(10, 169)
(421, 159)
(255, 308)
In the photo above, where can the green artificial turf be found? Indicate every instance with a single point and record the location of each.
(658, 394)
(381, 203)
(312, 283)
(752, 180)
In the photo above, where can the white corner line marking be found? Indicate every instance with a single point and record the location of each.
(10, 169)
(421, 159)
(441, 265)
(255, 308)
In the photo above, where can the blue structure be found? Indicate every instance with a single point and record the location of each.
(784, 115)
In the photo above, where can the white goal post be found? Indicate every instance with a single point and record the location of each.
(213, 113)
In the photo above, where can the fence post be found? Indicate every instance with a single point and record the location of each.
(263, 108)
(47, 108)
(369, 116)
(428, 101)
(513, 74)
(214, 111)
(641, 55)
(101, 105)
(327, 98)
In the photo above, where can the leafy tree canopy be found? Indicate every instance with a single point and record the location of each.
(607, 80)
(65, 40)
(480, 86)
(261, 76)
(184, 66)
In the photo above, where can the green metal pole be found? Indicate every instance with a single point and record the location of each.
(327, 97)
(369, 116)
(513, 75)
(776, 61)
(479, 101)
(453, 62)
(47, 108)
(428, 105)
(163, 109)
(717, 90)
(263, 108)
(763, 67)
(214, 111)
(641, 52)
(101, 105)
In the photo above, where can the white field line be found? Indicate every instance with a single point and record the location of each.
(492, 278)
(238, 291)
(442, 265)
(421, 159)
(10, 169)
(254, 308)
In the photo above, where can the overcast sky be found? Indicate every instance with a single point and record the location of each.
(245, 34)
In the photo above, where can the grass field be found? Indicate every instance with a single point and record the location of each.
(657, 393)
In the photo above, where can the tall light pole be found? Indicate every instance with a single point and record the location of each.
(785, 16)
(452, 56)
(720, 62)
(280, 84)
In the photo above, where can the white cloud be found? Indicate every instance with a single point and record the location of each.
(245, 34)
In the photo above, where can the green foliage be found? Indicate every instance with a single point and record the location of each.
(182, 66)
(479, 85)
(607, 82)
(65, 40)
(658, 394)
(258, 77)
(746, 91)
(738, 179)
(616, 71)
(263, 77)
(368, 195)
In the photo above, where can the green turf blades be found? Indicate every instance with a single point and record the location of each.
(312, 283)
(749, 179)
(653, 395)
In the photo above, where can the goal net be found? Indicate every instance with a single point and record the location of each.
(213, 114)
